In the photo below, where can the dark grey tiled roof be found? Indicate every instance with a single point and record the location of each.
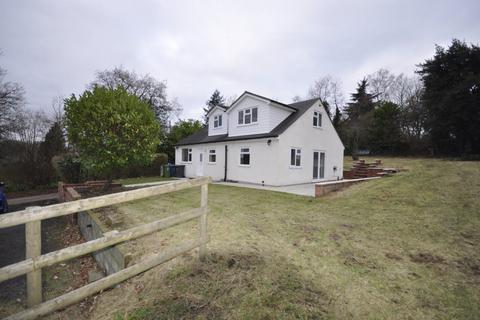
(203, 137)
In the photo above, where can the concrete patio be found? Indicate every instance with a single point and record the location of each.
(306, 189)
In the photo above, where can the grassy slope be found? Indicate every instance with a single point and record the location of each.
(404, 247)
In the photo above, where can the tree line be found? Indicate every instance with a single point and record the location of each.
(121, 124)
(434, 112)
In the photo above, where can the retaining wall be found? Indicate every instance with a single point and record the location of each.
(110, 259)
(322, 189)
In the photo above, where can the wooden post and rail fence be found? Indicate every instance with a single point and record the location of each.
(35, 261)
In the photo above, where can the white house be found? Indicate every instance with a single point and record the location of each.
(259, 140)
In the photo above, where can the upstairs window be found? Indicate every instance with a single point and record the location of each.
(212, 156)
(317, 119)
(248, 116)
(295, 157)
(245, 156)
(187, 155)
(217, 121)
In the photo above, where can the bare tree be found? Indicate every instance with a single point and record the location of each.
(406, 92)
(230, 99)
(296, 98)
(381, 84)
(145, 87)
(329, 90)
(12, 99)
(58, 111)
(31, 130)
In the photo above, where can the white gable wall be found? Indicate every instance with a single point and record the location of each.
(212, 131)
(269, 116)
(302, 134)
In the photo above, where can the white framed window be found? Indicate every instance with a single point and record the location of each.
(317, 119)
(212, 156)
(295, 157)
(245, 156)
(186, 155)
(248, 116)
(217, 121)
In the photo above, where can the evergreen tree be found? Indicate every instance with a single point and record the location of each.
(112, 130)
(359, 113)
(337, 118)
(452, 98)
(385, 134)
(216, 100)
(362, 101)
(54, 143)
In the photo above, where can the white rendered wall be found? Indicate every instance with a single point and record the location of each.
(214, 170)
(212, 131)
(303, 135)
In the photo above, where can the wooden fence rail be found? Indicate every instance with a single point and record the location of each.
(34, 261)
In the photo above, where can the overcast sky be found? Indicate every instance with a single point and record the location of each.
(273, 48)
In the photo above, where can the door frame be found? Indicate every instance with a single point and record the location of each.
(200, 164)
(320, 151)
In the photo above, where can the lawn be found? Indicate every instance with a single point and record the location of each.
(402, 247)
(142, 180)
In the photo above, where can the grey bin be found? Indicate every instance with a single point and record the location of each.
(177, 171)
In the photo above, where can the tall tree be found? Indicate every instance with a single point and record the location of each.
(12, 100)
(385, 135)
(337, 117)
(145, 87)
(359, 114)
(111, 129)
(452, 98)
(329, 91)
(362, 101)
(216, 100)
(54, 143)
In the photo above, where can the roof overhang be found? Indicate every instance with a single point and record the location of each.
(216, 108)
(261, 98)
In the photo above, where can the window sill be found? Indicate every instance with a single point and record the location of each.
(316, 127)
(211, 163)
(248, 124)
(244, 165)
(295, 167)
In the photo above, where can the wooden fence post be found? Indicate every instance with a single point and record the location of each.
(33, 249)
(202, 221)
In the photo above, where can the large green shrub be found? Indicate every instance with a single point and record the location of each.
(111, 129)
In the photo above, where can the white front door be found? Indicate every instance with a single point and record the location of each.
(318, 165)
(200, 164)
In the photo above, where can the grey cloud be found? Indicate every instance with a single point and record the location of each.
(275, 48)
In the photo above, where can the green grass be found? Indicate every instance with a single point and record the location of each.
(142, 180)
(402, 247)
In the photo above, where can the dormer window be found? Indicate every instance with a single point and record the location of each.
(317, 119)
(248, 116)
(217, 121)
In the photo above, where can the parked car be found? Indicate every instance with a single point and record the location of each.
(3, 199)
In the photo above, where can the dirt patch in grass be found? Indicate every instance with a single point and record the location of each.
(359, 260)
(393, 256)
(426, 258)
(334, 237)
(468, 266)
(212, 290)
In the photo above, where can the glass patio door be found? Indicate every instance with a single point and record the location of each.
(318, 165)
